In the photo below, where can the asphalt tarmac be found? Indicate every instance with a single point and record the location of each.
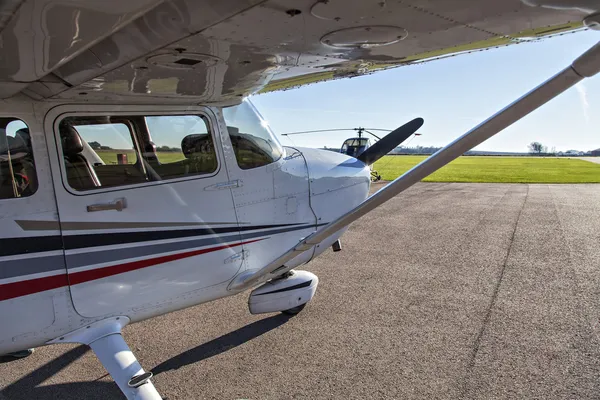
(595, 160)
(449, 291)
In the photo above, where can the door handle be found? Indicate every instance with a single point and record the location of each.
(225, 185)
(117, 205)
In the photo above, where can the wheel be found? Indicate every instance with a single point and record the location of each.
(295, 310)
(18, 354)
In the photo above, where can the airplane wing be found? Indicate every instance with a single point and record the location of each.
(183, 51)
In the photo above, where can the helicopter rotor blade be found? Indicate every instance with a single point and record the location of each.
(371, 133)
(337, 130)
(319, 130)
(390, 141)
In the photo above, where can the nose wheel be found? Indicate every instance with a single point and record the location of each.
(287, 294)
(295, 310)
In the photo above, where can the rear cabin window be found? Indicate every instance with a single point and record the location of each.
(18, 177)
(99, 152)
(112, 143)
(111, 151)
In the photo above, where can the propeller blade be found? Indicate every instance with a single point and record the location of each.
(390, 141)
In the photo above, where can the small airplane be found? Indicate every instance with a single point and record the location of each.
(354, 146)
(137, 178)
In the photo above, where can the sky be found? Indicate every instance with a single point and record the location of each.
(452, 95)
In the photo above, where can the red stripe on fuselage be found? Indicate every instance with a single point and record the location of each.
(23, 288)
(99, 273)
(31, 286)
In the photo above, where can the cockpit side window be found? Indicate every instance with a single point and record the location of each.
(253, 142)
(344, 148)
(18, 176)
(183, 146)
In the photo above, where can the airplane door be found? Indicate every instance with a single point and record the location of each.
(273, 189)
(145, 206)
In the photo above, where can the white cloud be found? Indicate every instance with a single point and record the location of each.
(585, 105)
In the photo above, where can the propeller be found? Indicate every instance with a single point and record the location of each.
(390, 141)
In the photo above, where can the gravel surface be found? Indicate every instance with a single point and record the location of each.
(465, 291)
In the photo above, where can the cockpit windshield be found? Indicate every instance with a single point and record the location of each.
(354, 146)
(253, 142)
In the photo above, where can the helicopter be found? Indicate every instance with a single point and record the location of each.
(355, 146)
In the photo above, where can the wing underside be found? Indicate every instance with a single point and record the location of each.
(220, 51)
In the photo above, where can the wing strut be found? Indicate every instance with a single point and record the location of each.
(587, 65)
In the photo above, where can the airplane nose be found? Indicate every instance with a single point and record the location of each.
(338, 182)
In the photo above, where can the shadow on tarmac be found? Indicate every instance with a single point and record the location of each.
(222, 343)
(27, 387)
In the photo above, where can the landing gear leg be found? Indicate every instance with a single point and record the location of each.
(104, 338)
(121, 364)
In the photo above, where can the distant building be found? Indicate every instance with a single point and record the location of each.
(595, 153)
(573, 153)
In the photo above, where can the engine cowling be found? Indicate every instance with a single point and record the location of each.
(283, 294)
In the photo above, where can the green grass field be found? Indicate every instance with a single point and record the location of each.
(464, 169)
(498, 169)
(110, 156)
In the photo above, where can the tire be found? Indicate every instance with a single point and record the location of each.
(16, 355)
(295, 310)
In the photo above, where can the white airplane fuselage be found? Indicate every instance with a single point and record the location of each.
(176, 243)
(134, 180)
